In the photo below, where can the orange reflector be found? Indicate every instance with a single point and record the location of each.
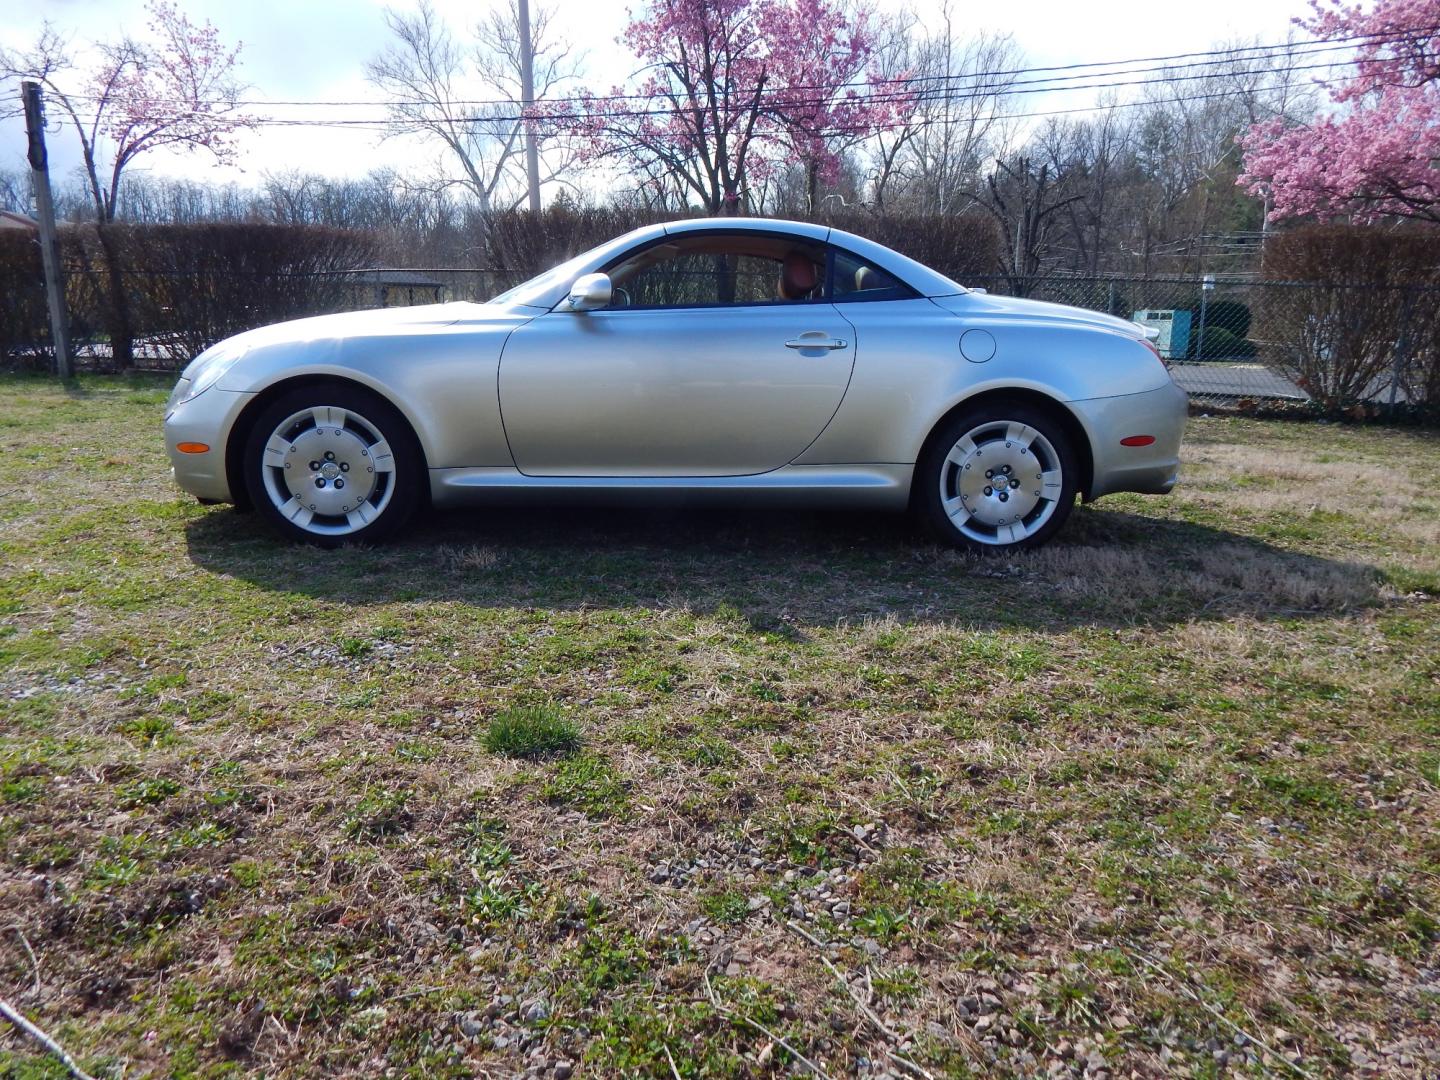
(1137, 440)
(192, 448)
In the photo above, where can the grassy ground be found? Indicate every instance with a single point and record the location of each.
(701, 794)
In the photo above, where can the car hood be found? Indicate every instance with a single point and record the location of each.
(1016, 309)
(332, 337)
(384, 322)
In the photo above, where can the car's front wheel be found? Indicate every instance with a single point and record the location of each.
(332, 464)
(1001, 475)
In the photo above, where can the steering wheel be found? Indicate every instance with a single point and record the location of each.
(619, 297)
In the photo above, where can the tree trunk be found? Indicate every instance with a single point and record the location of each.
(117, 311)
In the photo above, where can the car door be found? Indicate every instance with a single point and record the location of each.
(704, 373)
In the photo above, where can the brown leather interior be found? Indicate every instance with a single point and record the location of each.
(798, 276)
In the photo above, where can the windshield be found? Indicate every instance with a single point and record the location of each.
(539, 291)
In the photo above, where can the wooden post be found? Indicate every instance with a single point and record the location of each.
(527, 99)
(45, 208)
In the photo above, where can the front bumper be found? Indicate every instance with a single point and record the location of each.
(1149, 470)
(209, 419)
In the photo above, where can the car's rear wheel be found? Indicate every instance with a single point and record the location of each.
(999, 476)
(332, 464)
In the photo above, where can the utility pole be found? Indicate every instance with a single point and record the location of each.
(527, 99)
(45, 208)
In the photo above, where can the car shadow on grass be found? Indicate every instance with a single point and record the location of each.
(788, 570)
(784, 571)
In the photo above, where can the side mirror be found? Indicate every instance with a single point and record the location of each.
(589, 292)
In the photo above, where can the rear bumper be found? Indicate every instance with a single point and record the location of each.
(207, 418)
(1149, 470)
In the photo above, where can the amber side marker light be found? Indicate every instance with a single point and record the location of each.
(1137, 440)
(192, 448)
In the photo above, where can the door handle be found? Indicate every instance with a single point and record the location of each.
(816, 343)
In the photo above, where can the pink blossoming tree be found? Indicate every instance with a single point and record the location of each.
(828, 95)
(1379, 154)
(729, 89)
(176, 90)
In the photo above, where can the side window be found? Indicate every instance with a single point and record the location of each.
(855, 279)
(712, 271)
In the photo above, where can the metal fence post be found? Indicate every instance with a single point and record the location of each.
(1206, 284)
(1402, 350)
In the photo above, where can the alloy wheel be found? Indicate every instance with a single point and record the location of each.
(1001, 482)
(328, 471)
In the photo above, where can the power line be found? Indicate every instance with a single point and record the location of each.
(382, 126)
(1240, 54)
(389, 123)
(902, 97)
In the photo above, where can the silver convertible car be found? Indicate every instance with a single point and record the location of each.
(727, 360)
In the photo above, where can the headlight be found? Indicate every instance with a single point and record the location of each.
(204, 372)
(179, 394)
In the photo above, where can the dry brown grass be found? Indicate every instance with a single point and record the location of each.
(1091, 808)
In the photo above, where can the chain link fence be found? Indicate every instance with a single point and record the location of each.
(1238, 343)
(1232, 343)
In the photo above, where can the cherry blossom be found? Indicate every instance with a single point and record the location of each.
(729, 90)
(1378, 154)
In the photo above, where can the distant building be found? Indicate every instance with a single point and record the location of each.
(11, 220)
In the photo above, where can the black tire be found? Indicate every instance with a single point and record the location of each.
(964, 481)
(387, 489)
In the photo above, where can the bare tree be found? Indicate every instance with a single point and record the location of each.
(156, 199)
(14, 191)
(467, 98)
(938, 153)
(1092, 159)
(1149, 183)
(1186, 148)
(1026, 197)
(894, 61)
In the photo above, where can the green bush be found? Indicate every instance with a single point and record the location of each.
(1231, 315)
(532, 731)
(1221, 344)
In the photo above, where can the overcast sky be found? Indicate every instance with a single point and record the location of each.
(316, 50)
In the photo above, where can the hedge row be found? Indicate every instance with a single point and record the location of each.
(1363, 299)
(1358, 298)
(522, 245)
(172, 290)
